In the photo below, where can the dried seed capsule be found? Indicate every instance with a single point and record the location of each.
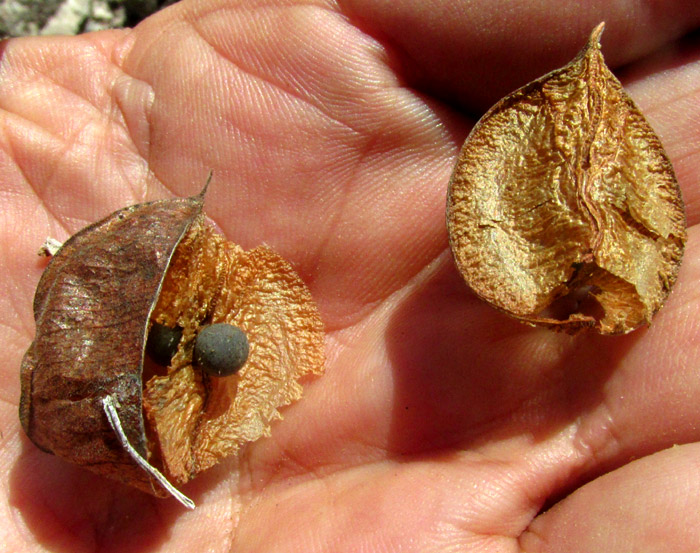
(563, 189)
(221, 349)
(162, 343)
(83, 397)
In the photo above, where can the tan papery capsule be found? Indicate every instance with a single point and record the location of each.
(563, 209)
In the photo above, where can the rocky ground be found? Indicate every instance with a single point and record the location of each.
(51, 17)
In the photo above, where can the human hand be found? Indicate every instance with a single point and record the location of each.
(440, 424)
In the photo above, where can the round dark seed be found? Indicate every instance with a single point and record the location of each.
(221, 349)
(162, 343)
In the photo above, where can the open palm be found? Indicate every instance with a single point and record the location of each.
(331, 129)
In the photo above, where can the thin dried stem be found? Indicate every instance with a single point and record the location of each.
(110, 405)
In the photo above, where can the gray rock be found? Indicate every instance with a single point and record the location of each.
(68, 17)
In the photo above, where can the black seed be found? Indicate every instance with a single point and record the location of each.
(221, 349)
(162, 343)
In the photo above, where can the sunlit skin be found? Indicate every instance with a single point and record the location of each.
(331, 130)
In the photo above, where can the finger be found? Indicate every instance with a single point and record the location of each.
(476, 52)
(648, 505)
(64, 140)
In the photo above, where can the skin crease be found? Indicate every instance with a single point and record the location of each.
(441, 425)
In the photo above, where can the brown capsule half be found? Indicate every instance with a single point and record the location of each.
(563, 209)
(94, 306)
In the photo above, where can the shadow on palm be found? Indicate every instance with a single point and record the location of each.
(467, 376)
(69, 509)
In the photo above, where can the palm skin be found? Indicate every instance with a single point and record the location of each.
(440, 425)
